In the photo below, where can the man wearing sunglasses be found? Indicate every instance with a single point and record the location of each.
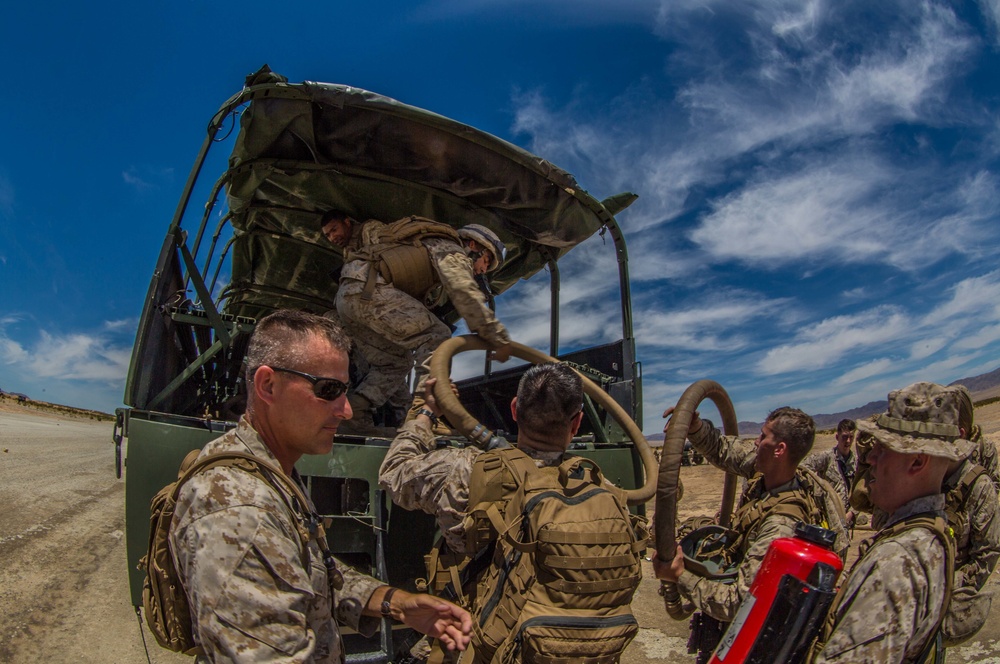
(252, 559)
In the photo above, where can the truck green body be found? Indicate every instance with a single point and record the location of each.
(255, 246)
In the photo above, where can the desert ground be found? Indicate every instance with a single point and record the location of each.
(63, 586)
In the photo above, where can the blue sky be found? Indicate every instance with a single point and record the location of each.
(819, 181)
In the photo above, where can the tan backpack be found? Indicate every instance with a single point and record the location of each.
(565, 567)
(164, 600)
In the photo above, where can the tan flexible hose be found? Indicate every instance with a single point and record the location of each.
(665, 513)
(471, 428)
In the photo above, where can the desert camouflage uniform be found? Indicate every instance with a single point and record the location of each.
(831, 467)
(256, 593)
(418, 476)
(719, 599)
(985, 454)
(395, 331)
(977, 544)
(894, 595)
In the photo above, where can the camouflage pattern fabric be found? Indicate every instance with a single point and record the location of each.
(985, 454)
(719, 599)
(396, 332)
(977, 544)
(893, 596)
(256, 592)
(828, 466)
(418, 476)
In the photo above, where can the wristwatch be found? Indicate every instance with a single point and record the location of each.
(385, 609)
(429, 413)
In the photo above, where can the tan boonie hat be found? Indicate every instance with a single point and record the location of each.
(921, 419)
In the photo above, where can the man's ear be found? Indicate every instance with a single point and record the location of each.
(918, 463)
(781, 449)
(513, 408)
(264, 384)
(574, 424)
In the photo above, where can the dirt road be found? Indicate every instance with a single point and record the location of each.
(63, 586)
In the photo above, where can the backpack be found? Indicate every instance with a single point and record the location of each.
(164, 600)
(394, 252)
(566, 562)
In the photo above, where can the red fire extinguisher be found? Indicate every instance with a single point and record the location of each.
(787, 602)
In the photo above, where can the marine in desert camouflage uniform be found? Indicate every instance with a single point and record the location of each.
(418, 476)
(772, 461)
(973, 513)
(256, 591)
(892, 603)
(397, 332)
(838, 465)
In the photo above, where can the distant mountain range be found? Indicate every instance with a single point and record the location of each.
(982, 387)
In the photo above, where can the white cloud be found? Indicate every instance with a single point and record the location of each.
(145, 178)
(864, 372)
(974, 339)
(823, 343)
(74, 358)
(991, 14)
(924, 348)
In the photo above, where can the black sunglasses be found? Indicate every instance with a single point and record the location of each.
(328, 389)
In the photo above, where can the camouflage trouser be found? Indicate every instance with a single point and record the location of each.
(393, 332)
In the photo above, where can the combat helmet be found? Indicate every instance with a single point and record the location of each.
(488, 239)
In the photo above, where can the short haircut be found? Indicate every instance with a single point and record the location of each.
(548, 397)
(330, 215)
(966, 410)
(847, 425)
(279, 339)
(795, 429)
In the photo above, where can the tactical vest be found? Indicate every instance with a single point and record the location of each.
(957, 510)
(164, 600)
(566, 561)
(933, 649)
(797, 504)
(397, 255)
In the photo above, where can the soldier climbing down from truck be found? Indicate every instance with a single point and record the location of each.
(394, 275)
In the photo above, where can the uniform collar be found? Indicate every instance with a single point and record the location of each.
(934, 503)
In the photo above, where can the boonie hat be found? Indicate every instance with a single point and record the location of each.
(921, 419)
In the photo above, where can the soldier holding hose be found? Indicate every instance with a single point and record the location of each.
(778, 496)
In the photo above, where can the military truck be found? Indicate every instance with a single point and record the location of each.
(248, 241)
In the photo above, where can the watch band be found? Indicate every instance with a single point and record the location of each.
(385, 609)
(429, 413)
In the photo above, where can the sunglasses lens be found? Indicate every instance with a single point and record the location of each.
(329, 389)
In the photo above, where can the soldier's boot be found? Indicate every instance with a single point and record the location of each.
(363, 421)
(440, 428)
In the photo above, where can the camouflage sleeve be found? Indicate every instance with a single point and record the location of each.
(418, 476)
(987, 457)
(825, 465)
(353, 598)
(885, 614)
(256, 592)
(455, 270)
(726, 452)
(249, 592)
(721, 600)
(984, 538)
